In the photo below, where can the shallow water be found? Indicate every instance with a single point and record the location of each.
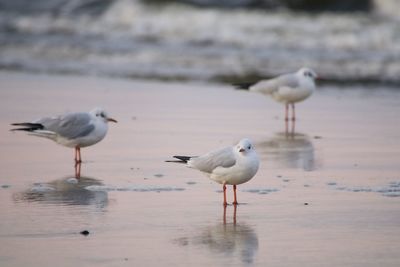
(325, 195)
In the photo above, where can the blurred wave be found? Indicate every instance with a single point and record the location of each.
(308, 5)
(129, 38)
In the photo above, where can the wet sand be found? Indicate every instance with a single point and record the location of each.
(326, 195)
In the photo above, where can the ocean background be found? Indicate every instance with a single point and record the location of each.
(203, 40)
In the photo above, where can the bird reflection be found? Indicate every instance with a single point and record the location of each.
(234, 214)
(65, 191)
(236, 241)
(289, 150)
(78, 169)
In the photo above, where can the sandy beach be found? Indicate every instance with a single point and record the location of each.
(326, 194)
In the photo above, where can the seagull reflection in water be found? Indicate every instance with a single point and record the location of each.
(65, 191)
(289, 150)
(78, 170)
(233, 240)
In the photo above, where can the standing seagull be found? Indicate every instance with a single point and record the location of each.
(75, 130)
(287, 88)
(232, 165)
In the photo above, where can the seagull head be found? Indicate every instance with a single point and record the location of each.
(244, 146)
(102, 115)
(307, 73)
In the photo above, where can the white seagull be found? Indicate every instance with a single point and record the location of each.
(287, 88)
(232, 165)
(75, 130)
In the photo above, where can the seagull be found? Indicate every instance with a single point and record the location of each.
(232, 165)
(80, 129)
(287, 88)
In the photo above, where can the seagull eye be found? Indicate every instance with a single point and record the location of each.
(249, 147)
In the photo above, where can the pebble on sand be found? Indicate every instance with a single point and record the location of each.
(85, 232)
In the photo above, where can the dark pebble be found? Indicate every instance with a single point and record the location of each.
(85, 232)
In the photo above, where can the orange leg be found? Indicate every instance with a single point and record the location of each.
(76, 155)
(286, 112)
(224, 216)
(78, 158)
(224, 188)
(293, 127)
(234, 195)
(293, 113)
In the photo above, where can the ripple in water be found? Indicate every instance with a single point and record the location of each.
(390, 190)
(134, 188)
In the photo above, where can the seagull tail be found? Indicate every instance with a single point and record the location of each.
(243, 86)
(35, 129)
(181, 159)
(27, 127)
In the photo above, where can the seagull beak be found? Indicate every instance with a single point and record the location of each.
(112, 120)
(241, 150)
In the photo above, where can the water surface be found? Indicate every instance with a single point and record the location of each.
(325, 195)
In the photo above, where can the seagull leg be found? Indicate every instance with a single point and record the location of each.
(293, 128)
(78, 158)
(79, 154)
(293, 113)
(224, 188)
(286, 112)
(224, 216)
(76, 155)
(234, 196)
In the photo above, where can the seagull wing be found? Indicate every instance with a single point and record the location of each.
(70, 126)
(273, 85)
(220, 158)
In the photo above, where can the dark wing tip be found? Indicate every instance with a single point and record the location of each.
(20, 129)
(181, 159)
(243, 86)
(27, 126)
